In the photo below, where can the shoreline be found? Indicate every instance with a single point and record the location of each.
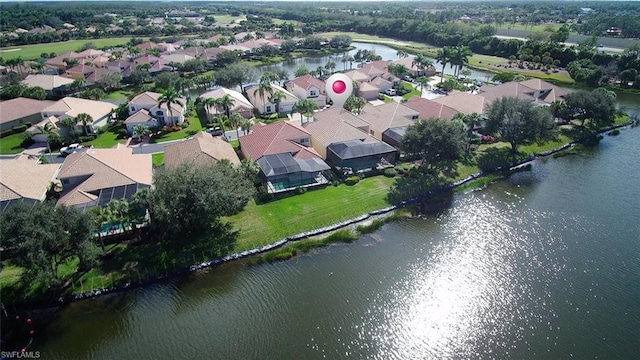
(63, 300)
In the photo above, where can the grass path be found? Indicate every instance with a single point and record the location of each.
(32, 52)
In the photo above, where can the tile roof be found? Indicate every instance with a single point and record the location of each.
(275, 138)
(430, 109)
(102, 169)
(140, 117)
(357, 75)
(47, 82)
(464, 102)
(72, 107)
(307, 81)
(389, 115)
(145, 98)
(259, 102)
(240, 102)
(202, 149)
(20, 107)
(336, 125)
(22, 177)
(536, 90)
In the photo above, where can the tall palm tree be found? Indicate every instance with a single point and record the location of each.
(235, 120)
(264, 85)
(460, 57)
(48, 130)
(401, 54)
(170, 97)
(421, 62)
(86, 120)
(319, 71)
(276, 97)
(305, 107)
(443, 56)
(79, 83)
(423, 81)
(221, 120)
(245, 125)
(331, 65)
(225, 103)
(210, 103)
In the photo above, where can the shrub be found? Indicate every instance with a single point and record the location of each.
(335, 183)
(352, 180)
(19, 129)
(26, 141)
(184, 125)
(614, 132)
(390, 172)
(367, 229)
(300, 190)
(122, 133)
(281, 254)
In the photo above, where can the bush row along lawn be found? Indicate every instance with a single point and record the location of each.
(413, 91)
(195, 126)
(12, 144)
(32, 52)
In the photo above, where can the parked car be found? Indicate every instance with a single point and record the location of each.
(68, 150)
(407, 78)
(215, 131)
(390, 92)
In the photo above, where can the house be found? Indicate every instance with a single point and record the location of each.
(430, 109)
(202, 149)
(80, 71)
(150, 101)
(141, 117)
(23, 179)
(382, 117)
(308, 87)
(367, 91)
(464, 102)
(241, 105)
(343, 140)
(70, 107)
(97, 176)
(176, 58)
(35, 130)
(409, 63)
(285, 156)
(268, 105)
(59, 63)
(536, 90)
(21, 111)
(123, 67)
(54, 85)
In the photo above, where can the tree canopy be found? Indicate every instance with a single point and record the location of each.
(435, 140)
(597, 106)
(518, 121)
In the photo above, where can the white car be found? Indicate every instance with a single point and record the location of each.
(67, 150)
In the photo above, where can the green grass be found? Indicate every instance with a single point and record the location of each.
(413, 91)
(266, 223)
(528, 27)
(228, 19)
(12, 144)
(9, 275)
(157, 159)
(194, 127)
(32, 52)
(106, 140)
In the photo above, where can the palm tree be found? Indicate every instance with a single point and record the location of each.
(221, 120)
(245, 125)
(305, 107)
(225, 103)
(319, 71)
(170, 97)
(460, 57)
(276, 97)
(423, 81)
(355, 103)
(331, 65)
(69, 123)
(140, 131)
(48, 130)
(37, 66)
(264, 85)
(235, 120)
(79, 83)
(421, 62)
(443, 56)
(401, 54)
(86, 120)
(208, 104)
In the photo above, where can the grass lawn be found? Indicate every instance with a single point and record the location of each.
(32, 52)
(12, 144)
(266, 223)
(9, 275)
(387, 99)
(413, 91)
(528, 27)
(228, 19)
(157, 159)
(194, 127)
(106, 140)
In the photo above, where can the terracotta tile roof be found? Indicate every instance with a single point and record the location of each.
(72, 107)
(430, 109)
(536, 90)
(47, 82)
(177, 58)
(21, 107)
(375, 68)
(307, 81)
(22, 177)
(99, 73)
(336, 125)
(58, 60)
(146, 59)
(389, 115)
(275, 138)
(357, 75)
(147, 97)
(102, 169)
(464, 102)
(365, 86)
(82, 69)
(202, 149)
